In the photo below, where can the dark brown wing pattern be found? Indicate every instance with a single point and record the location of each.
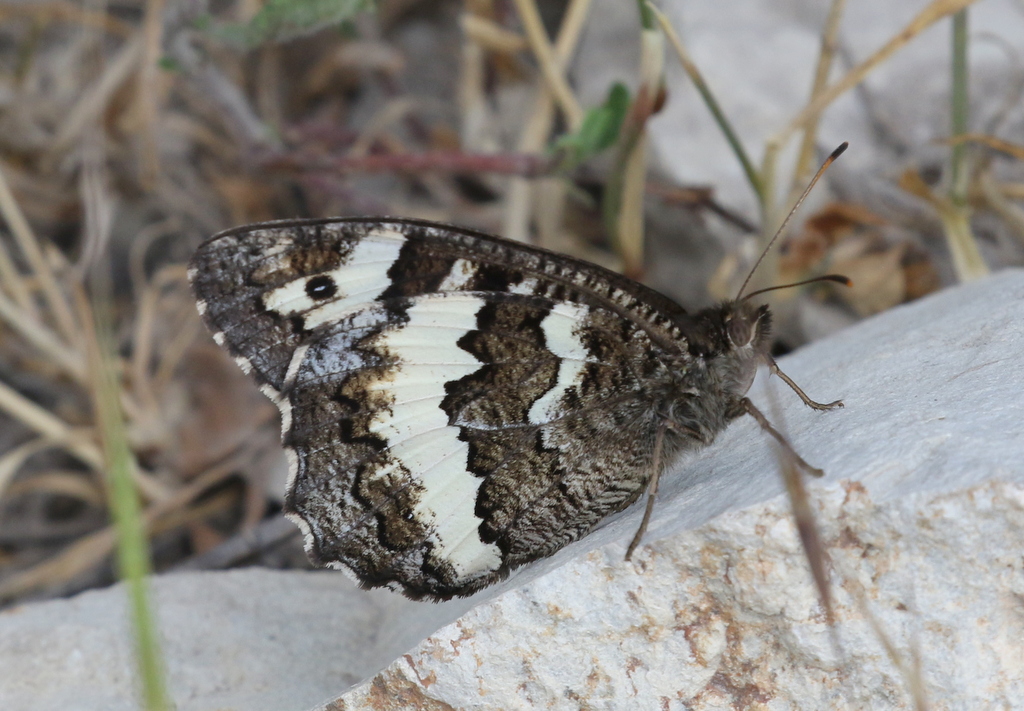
(454, 405)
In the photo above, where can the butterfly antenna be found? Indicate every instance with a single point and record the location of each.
(838, 278)
(824, 166)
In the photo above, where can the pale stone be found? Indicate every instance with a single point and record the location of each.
(259, 640)
(726, 617)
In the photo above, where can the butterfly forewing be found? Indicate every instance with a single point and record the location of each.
(453, 405)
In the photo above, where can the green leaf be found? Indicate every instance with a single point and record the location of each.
(168, 64)
(283, 20)
(599, 130)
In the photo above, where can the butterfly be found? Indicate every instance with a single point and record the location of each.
(455, 405)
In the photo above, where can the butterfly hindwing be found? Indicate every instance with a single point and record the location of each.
(453, 405)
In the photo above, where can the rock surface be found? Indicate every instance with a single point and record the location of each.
(725, 617)
(243, 639)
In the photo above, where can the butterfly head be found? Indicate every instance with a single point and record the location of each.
(747, 327)
(741, 333)
(733, 329)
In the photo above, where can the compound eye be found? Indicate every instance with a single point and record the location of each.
(740, 331)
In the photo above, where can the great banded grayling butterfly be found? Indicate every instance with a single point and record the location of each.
(455, 405)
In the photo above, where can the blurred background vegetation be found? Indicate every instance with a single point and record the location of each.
(131, 130)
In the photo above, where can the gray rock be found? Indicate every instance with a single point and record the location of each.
(244, 639)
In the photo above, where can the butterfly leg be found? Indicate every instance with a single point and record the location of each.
(773, 367)
(749, 408)
(652, 490)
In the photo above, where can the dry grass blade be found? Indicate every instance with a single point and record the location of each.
(629, 222)
(147, 91)
(490, 35)
(231, 102)
(40, 337)
(61, 481)
(1011, 214)
(755, 179)
(90, 551)
(99, 209)
(58, 11)
(77, 442)
(475, 113)
(967, 260)
(13, 282)
(536, 130)
(264, 535)
(626, 198)
(810, 537)
(550, 67)
(1010, 148)
(172, 354)
(88, 110)
(54, 298)
(376, 130)
(829, 42)
(934, 12)
(144, 337)
(194, 512)
(13, 459)
(82, 555)
(807, 528)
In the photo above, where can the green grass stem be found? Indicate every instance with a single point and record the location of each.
(132, 543)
